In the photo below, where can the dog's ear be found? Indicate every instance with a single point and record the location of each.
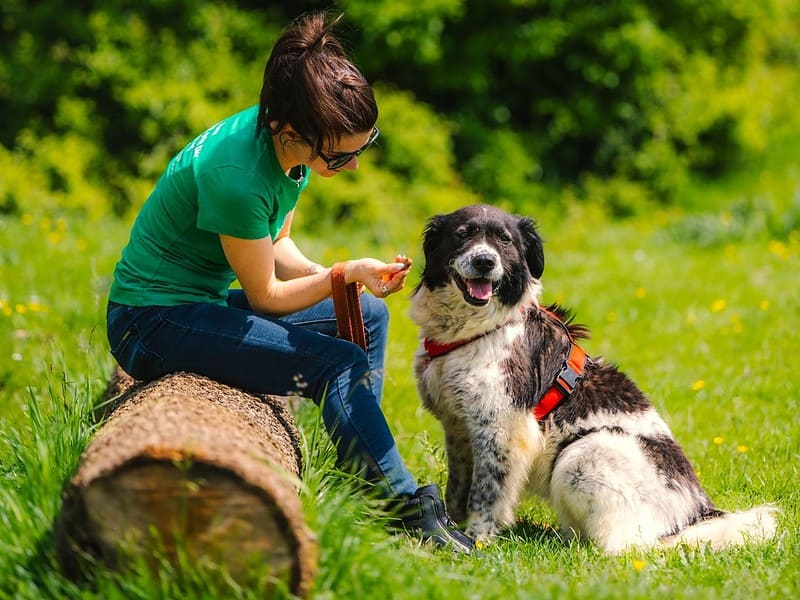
(533, 246)
(430, 236)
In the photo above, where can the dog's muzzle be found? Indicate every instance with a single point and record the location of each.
(477, 275)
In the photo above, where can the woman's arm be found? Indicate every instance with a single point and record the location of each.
(253, 262)
(290, 262)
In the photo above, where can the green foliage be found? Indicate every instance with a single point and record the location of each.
(637, 89)
(140, 81)
(505, 171)
(521, 96)
(407, 32)
(20, 183)
(744, 219)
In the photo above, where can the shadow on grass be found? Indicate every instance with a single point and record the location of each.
(535, 532)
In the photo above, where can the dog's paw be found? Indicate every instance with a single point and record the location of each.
(482, 530)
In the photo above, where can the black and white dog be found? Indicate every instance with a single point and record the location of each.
(522, 405)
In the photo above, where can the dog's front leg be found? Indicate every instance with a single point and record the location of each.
(459, 472)
(491, 499)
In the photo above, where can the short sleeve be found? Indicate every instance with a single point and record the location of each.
(229, 203)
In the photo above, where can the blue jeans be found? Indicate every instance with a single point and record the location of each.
(297, 354)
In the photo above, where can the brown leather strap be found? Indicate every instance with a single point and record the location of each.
(347, 305)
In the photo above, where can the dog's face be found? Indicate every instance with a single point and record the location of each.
(485, 252)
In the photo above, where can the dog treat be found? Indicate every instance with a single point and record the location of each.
(406, 265)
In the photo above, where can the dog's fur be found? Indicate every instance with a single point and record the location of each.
(604, 458)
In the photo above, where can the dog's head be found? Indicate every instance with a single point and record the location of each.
(485, 252)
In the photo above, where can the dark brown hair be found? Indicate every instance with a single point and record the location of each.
(311, 84)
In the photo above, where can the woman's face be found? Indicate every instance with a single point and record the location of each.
(342, 155)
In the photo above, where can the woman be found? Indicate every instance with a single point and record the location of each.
(223, 211)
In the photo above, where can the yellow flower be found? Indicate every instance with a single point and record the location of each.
(638, 565)
(742, 448)
(35, 306)
(698, 385)
(718, 440)
(764, 305)
(718, 305)
(27, 219)
(779, 249)
(641, 292)
(21, 309)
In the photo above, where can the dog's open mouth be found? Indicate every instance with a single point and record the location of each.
(477, 292)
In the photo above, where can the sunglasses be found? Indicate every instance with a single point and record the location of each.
(334, 163)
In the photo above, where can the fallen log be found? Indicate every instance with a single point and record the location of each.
(187, 468)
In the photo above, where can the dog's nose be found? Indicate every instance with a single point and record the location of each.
(483, 263)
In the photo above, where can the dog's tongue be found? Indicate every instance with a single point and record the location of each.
(480, 289)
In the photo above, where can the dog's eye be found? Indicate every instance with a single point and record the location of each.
(505, 239)
(464, 232)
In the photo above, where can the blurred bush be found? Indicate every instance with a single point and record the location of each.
(745, 219)
(101, 94)
(576, 92)
(505, 101)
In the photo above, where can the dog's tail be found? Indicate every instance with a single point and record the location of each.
(730, 528)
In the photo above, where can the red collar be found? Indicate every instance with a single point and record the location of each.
(571, 372)
(435, 349)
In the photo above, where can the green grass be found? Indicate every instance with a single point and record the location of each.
(706, 325)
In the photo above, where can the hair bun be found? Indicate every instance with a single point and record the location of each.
(312, 85)
(315, 34)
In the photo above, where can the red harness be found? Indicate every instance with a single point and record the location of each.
(566, 380)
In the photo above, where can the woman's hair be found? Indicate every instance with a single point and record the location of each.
(311, 84)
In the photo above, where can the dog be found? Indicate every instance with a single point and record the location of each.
(524, 409)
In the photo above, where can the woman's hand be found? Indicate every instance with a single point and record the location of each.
(379, 277)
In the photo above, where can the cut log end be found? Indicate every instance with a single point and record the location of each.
(204, 512)
(189, 470)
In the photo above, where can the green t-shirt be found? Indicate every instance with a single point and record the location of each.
(225, 181)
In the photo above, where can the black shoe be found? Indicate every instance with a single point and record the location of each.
(424, 515)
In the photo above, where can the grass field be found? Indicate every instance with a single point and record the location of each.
(698, 304)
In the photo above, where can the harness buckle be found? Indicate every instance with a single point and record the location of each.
(567, 379)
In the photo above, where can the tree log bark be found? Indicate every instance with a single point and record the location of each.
(187, 468)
